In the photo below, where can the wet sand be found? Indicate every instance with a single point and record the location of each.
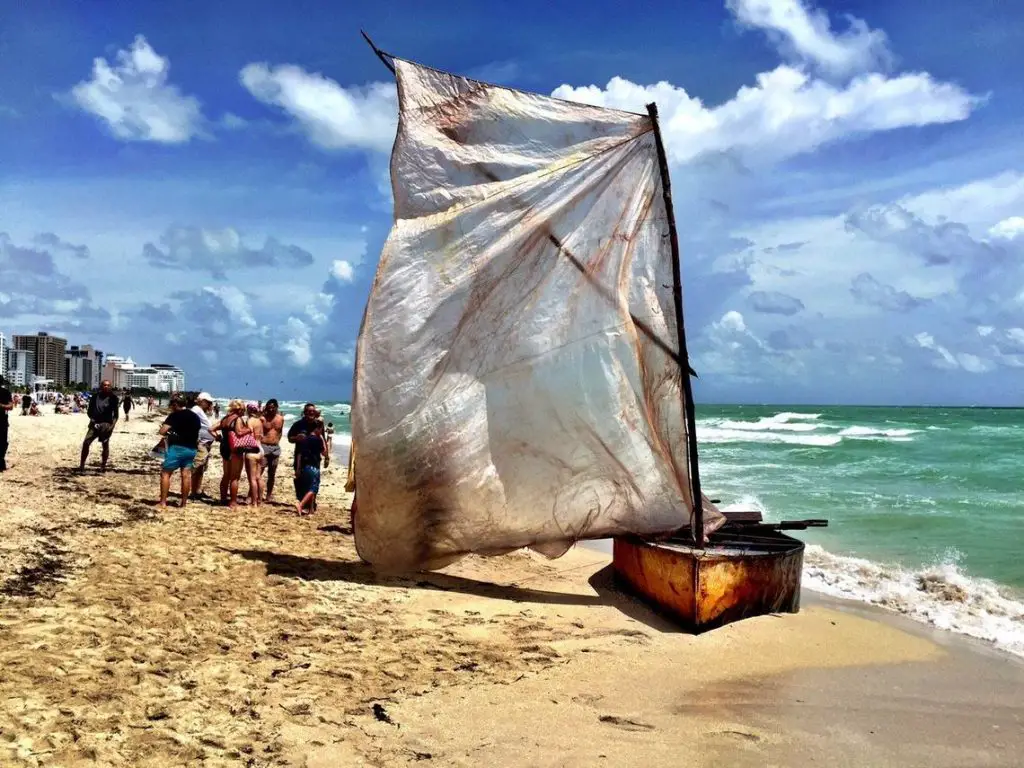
(136, 636)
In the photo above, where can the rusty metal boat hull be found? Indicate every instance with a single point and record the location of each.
(738, 575)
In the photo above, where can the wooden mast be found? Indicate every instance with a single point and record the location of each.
(697, 519)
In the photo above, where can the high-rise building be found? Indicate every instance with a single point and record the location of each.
(3, 356)
(49, 355)
(20, 366)
(83, 366)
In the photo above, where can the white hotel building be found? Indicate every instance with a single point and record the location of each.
(123, 373)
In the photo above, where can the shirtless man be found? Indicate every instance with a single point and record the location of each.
(273, 426)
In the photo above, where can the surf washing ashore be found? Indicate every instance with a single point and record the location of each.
(131, 635)
(924, 504)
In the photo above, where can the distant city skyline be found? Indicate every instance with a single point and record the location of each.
(848, 181)
(45, 357)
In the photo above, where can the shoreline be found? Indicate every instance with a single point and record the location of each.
(131, 635)
(933, 598)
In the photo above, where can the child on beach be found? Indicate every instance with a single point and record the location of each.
(309, 452)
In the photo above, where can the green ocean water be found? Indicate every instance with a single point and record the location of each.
(913, 486)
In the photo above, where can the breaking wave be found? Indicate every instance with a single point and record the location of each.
(727, 435)
(872, 432)
(768, 424)
(786, 416)
(792, 428)
(940, 595)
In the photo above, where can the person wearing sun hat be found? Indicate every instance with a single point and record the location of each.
(203, 408)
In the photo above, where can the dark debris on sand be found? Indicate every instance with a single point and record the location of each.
(40, 578)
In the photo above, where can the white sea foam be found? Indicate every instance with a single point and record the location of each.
(856, 431)
(723, 435)
(745, 503)
(940, 595)
(793, 429)
(789, 416)
(768, 424)
(341, 445)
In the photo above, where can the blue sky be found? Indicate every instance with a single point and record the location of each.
(208, 185)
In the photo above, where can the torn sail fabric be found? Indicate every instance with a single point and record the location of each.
(512, 385)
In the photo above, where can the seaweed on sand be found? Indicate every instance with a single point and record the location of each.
(39, 577)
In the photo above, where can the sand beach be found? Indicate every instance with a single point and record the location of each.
(141, 637)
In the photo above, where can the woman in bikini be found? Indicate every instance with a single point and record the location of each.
(254, 421)
(233, 461)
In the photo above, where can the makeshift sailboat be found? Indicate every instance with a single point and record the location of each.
(522, 378)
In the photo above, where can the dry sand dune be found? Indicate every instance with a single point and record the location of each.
(132, 636)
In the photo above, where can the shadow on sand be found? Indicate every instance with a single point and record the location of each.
(358, 572)
(133, 471)
(73, 472)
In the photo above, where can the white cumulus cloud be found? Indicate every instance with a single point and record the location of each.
(220, 252)
(332, 117)
(342, 271)
(318, 309)
(1008, 229)
(946, 359)
(805, 34)
(787, 112)
(235, 302)
(259, 358)
(135, 100)
(298, 342)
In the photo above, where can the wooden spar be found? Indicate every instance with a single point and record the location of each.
(380, 54)
(697, 521)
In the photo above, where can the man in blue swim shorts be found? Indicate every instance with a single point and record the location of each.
(181, 427)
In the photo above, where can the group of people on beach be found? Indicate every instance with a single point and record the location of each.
(249, 437)
(66, 404)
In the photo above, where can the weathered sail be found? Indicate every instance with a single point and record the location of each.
(515, 382)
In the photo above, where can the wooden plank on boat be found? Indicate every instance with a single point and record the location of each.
(796, 525)
(742, 515)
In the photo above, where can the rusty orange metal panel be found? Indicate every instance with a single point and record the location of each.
(732, 579)
(733, 588)
(658, 575)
